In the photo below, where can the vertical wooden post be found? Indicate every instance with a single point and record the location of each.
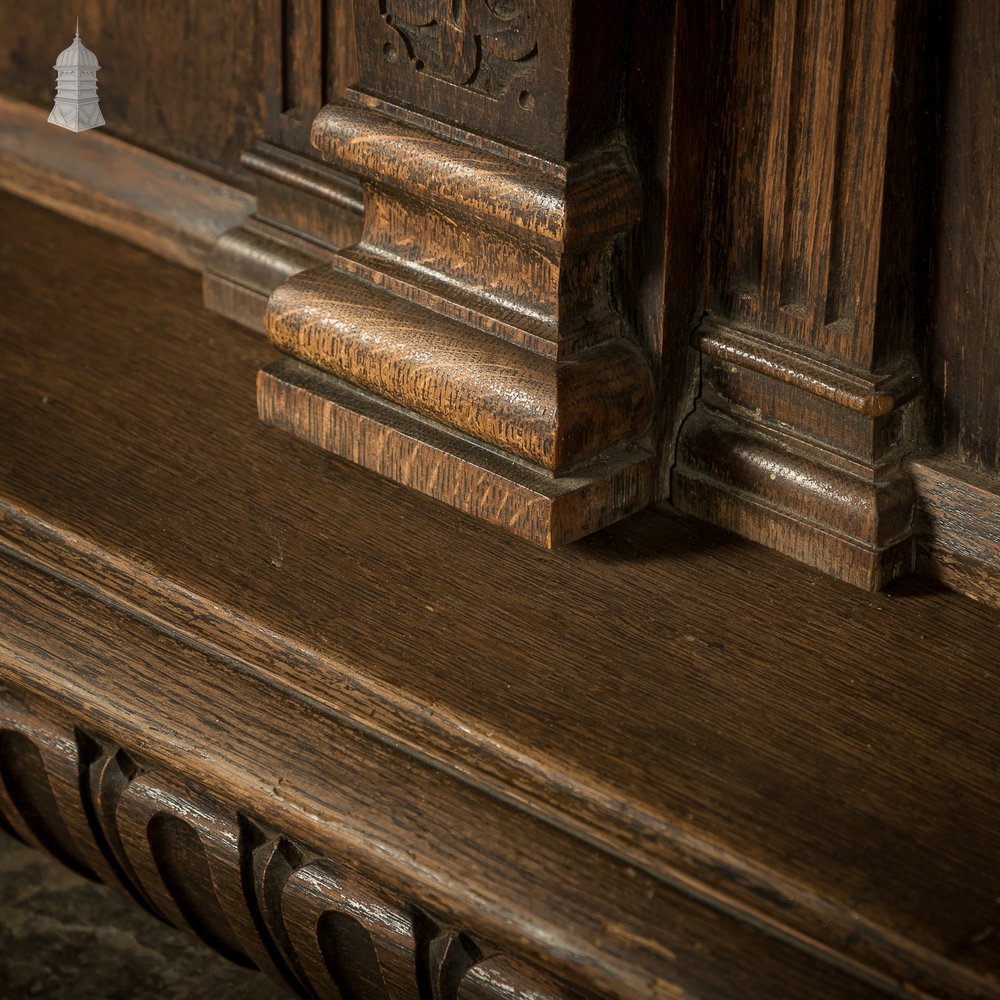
(470, 345)
(810, 394)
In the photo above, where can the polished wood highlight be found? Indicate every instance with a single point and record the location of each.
(256, 896)
(662, 760)
(483, 293)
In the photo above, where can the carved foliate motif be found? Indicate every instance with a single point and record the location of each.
(483, 45)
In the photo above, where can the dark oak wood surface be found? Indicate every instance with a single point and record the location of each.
(815, 767)
(962, 348)
(176, 212)
(183, 79)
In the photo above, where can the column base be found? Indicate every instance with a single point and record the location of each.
(305, 211)
(544, 509)
(804, 456)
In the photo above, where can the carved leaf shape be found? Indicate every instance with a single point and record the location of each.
(418, 13)
(457, 44)
(507, 28)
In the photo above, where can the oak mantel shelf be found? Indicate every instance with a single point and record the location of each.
(661, 761)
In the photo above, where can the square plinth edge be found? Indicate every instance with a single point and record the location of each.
(357, 426)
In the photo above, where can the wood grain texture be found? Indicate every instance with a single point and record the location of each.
(803, 455)
(593, 198)
(304, 211)
(553, 413)
(484, 291)
(962, 351)
(960, 527)
(104, 182)
(805, 236)
(484, 483)
(817, 283)
(279, 173)
(711, 750)
(257, 897)
(521, 72)
(763, 489)
(185, 80)
(449, 830)
(309, 60)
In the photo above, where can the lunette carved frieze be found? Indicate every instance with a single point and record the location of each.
(260, 898)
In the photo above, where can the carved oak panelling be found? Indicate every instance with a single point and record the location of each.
(521, 71)
(472, 343)
(810, 397)
(253, 895)
(804, 236)
(481, 44)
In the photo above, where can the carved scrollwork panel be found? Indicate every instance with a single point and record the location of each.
(484, 45)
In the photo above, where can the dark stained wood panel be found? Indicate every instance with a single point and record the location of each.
(736, 724)
(964, 348)
(818, 275)
(185, 79)
(822, 104)
(172, 210)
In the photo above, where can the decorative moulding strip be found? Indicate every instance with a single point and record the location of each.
(257, 896)
(305, 210)
(554, 413)
(804, 455)
(735, 888)
(482, 183)
(247, 263)
(299, 172)
(959, 527)
(171, 210)
(872, 395)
